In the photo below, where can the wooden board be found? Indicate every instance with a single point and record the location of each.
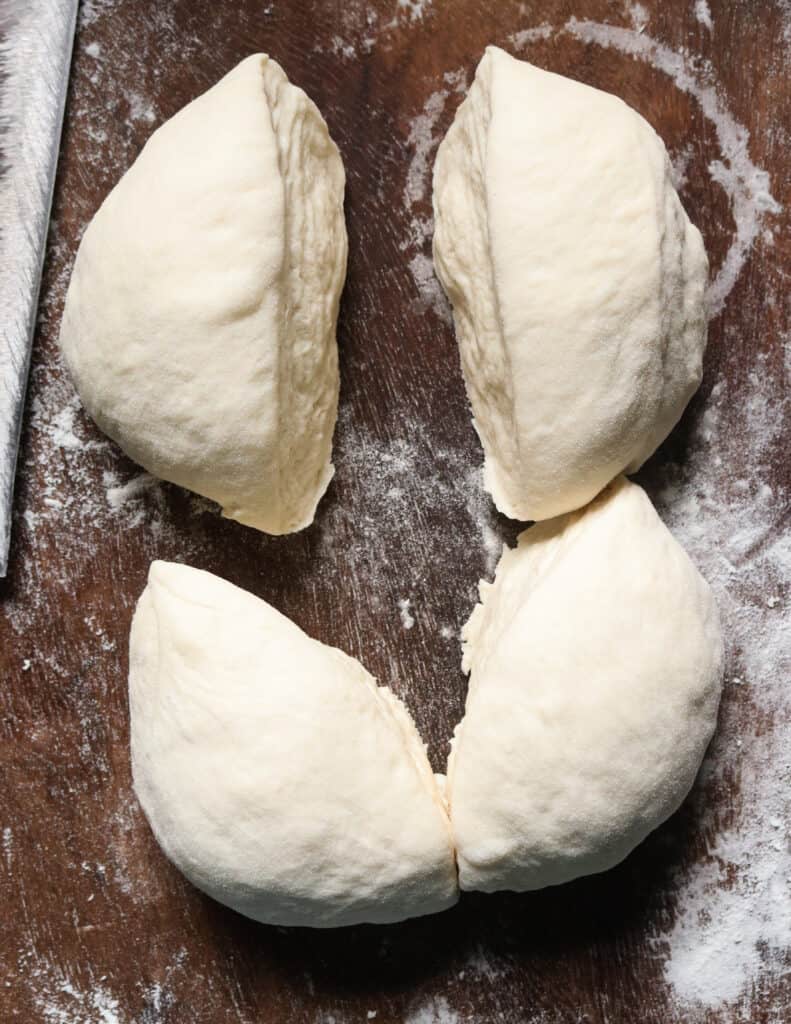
(96, 925)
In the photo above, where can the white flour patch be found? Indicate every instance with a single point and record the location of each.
(405, 611)
(434, 1011)
(62, 428)
(93, 10)
(423, 141)
(482, 966)
(118, 495)
(703, 14)
(638, 16)
(479, 509)
(531, 35)
(140, 109)
(415, 9)
(340, 48)
(678, 167)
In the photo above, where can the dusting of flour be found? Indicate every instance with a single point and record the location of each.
(733, 916)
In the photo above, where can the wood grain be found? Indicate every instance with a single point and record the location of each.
(95, 920)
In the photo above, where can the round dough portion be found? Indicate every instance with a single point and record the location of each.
(199, 324)
(595, 663)
(274, 773)
(576, 279)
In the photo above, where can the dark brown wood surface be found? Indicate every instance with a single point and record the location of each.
(96, 925)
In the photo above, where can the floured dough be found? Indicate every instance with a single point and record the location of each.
(273, 771)
(577, 283)
(595, 665)
(199, 324)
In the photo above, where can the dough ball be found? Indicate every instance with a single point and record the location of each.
(199, 324)
(273, 771)
(595, 663)
(577, 284)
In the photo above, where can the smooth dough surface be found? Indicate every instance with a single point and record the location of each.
(595, 663)
(576, 279)
(274, 772)
(199, 325)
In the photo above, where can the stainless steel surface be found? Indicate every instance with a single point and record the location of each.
(36, 39)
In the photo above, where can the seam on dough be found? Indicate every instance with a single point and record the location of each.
(495, 296)
(279, 391)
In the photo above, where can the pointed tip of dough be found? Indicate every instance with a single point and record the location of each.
(172, 573)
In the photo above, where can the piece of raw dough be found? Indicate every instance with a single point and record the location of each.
(577, 283)
(273, 771)
(199, 324)
(595, 665)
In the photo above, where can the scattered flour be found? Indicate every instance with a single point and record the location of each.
(703, 14)
(389, 487)
(61, 999)
(362, 29)
(732, 924)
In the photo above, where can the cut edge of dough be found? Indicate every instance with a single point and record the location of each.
(558, 535)
(477, 323)
(311, 168)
